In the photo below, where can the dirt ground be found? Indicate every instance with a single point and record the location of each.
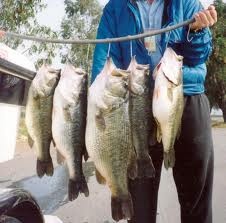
(51, 192)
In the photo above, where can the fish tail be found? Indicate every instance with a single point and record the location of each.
(44, 167)
(77, 186)
(60, 158)
(169, 159)
(145, 167)
(121, 207)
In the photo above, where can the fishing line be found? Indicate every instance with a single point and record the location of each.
(131, 48)
(189, 30)
(95, 41)
(109, 49)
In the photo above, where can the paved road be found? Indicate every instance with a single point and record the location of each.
(51, 192)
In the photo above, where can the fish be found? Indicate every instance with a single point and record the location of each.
(109, 139)
(69, 124)
(140, 112)
(38, 117)
(168, 102)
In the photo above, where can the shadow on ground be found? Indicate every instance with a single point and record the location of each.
(51, 192)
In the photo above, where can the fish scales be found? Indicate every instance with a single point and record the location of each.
(140, 116)
(69, 121)
(108, 137)
(168, 102)
(116, 134)
(38, 117)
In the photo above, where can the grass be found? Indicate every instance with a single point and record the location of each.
(218, 124)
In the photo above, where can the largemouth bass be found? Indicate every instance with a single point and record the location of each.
(140, 113)
(168, 102)
(68, 125)
(108, 137)
(39, 116)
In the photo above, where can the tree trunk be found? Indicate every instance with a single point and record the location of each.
(223, 108)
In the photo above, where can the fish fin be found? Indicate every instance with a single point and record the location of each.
(121, 207)
(145, 167)
(76, 186)
(169, 159)
(54, 144)
(153, 134)
(44, 167)
(38, 94)
(179, 131)
(158, 132)
(100, 122)
(170, 94)
(30, 141)
(132, 168)
(99, 177)
(60, 158)
(85, 154)
(66, 112)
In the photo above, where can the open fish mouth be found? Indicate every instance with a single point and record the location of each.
(120, 73)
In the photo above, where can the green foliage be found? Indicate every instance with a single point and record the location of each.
(81, 20)
(216, 78)
(45, 51)
(20, 16)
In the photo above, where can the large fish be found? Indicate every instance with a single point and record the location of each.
(168, 102)
(68, 125)
(140, 113)
(39, 116)
(108, 137)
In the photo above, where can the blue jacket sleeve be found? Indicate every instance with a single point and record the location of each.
(106, 29)
(197, 46)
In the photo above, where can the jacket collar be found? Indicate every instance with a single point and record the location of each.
(134, 8)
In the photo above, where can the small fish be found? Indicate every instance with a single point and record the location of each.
(140, 113)
(168, 102)
(38, 117)
(68, 126)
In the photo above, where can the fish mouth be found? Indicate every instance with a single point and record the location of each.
(54, 71)
(178, 57)
(80, 71)
(120, 73)
(168, 79)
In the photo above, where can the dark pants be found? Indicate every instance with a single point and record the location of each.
(193, 171)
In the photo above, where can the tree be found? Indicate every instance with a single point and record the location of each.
(20, 16)
(216, 78)
(17, 16)
(81, 20)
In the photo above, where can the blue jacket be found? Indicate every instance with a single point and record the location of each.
(122, 18)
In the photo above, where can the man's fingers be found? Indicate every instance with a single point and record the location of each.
(206, 18)
(210, 18)
(211, 7)
(203, 20)
(213, 13)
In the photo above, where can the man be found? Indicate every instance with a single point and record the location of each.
(193, 171)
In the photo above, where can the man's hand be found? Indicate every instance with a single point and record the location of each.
(204, 18)
(2, 33)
